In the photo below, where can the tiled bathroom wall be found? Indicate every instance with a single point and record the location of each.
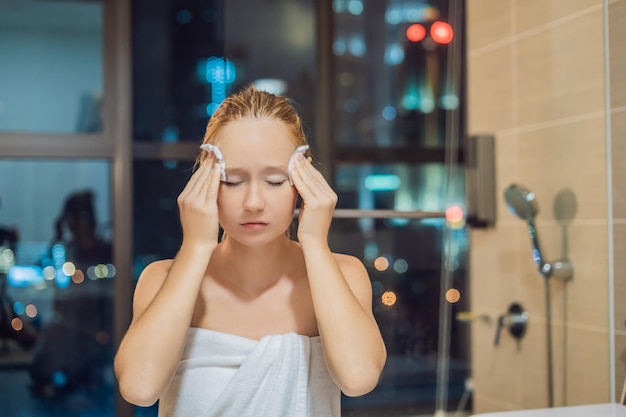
(536, 81)
(617, 90)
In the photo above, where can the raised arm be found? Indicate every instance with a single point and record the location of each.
(166, 295)
(342, 297)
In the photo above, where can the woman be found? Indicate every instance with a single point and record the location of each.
(257, 324)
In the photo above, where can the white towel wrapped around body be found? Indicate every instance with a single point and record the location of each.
(223, 375)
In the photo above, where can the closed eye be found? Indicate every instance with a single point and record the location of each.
(232, 183)
(276, 183)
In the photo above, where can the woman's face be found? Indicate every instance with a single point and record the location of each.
(256, 201)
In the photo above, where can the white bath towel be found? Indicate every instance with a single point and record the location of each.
(223, 375)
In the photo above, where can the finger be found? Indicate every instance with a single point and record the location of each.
(314, 187)
(198, 178)
(315, 180)
(318, 183)
(189, 185)
(212, 184)
(204, 173)
(319, 189)
(299, 182)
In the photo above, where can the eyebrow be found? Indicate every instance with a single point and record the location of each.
(269, 169)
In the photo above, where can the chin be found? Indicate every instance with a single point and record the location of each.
(256, 240)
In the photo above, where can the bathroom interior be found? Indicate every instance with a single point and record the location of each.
(479, 168)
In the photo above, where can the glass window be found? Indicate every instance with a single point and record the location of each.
(404, 262)
(396, 186)
(398, 124)
(394, 83)
(156, 221)
(156, 186)
(188, 56)
(56, 288)
(51, 72)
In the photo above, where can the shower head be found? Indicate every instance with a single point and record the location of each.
(521, 202)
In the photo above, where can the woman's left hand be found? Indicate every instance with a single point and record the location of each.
(318, 202)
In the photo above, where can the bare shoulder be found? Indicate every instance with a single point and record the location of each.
(150, 281)
(355, 274)
(154, 273)
(157, 267)
(350, 265)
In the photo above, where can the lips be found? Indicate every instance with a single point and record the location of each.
(254, 225)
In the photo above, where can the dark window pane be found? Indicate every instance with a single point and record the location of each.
(56, 288)
(171, 41)
(156, 222)
(51, 72)
(157, 229)
(398, 187)
(405, 267)
(391, 91)
(189, 55)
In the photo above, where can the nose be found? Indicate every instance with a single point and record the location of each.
(254, 200)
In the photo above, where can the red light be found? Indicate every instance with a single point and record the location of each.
(454, 214)
(441, 32)
(415, 32)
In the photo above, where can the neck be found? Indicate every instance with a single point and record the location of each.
(252, 270)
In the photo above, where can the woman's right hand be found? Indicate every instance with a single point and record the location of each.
(197, 204)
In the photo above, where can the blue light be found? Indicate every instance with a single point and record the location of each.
(438, 223)
(398, 222)
(220, 70)
(449, 102)
(62, 280)
(170, 134)
(220, 73)
(427, 105)
(339, 6)
(59, 379)
(394, 54)
(356, 46)
(393, 16)
(371, 250)
(339, 47)
(58, 253)
(211, 107)
(415, 15)
(355, 7)
(399, 13)
(170, 164)
(24, 275)
(183, 17)
(410, 101)
(389, 113)
(19, 308)
(382, 182)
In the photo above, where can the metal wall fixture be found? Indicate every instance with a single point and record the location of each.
(515, 320)
(523, 204)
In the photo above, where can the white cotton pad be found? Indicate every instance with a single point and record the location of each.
(218, 154)
(299, 149)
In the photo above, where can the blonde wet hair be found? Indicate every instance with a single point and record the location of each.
(251, 103)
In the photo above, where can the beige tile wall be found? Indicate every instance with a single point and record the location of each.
(617, 61)
(536, 81)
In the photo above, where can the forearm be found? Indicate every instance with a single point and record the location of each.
(150, 351)
(353, 347)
